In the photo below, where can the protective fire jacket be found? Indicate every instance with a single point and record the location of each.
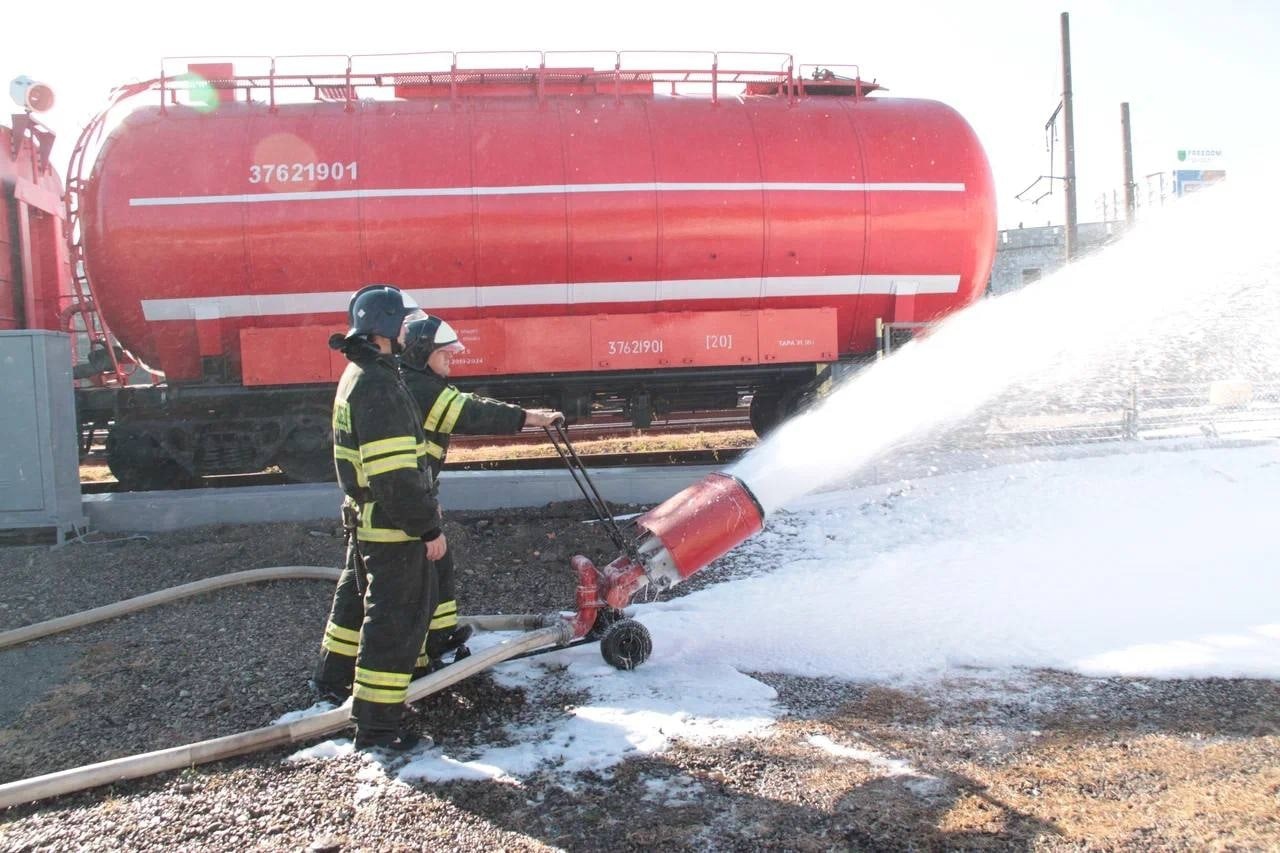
(448, 410)
(379, 449)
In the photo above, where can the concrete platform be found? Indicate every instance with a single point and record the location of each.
(472, 490)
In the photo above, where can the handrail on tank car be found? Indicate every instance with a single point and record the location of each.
(349, 78)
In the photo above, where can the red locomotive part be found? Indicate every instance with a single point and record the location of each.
(35, 283)
(573, 228)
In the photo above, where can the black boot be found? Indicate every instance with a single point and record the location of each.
(398, 741)
(381, 725)
(454, 640)
(437, 664)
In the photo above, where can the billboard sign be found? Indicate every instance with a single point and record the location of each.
(1197, 168)
(1199, 158)
(1189, 180)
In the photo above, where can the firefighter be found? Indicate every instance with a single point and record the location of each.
(384, 595)
(429, 347)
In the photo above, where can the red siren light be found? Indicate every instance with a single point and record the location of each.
(31, 94)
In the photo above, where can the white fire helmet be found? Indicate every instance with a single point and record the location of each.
(426, 334)
(445, 338)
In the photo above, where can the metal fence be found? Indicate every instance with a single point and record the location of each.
(1224, 409)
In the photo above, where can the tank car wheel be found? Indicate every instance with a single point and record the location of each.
(766, 411)
(626, 644)
(140, 463)
(306, 456)
(771, 406)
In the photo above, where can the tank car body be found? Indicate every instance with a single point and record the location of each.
(589, 236)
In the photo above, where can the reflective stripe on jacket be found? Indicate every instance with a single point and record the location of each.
(447, 411)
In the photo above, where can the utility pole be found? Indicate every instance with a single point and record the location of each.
(1069, 179)
(1126, 133)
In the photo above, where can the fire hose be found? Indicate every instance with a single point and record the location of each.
(549, 631)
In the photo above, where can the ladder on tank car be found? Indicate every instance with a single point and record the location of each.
(103, 351)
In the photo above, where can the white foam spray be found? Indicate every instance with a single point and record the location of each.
(1192, 292)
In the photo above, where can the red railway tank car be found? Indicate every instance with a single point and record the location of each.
(593, 236)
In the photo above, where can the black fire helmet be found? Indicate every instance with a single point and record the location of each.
(380, 309)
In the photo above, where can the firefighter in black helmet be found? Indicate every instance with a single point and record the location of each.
(429, 347)
(384, 595)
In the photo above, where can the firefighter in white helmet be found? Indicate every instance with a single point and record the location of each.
(429, 347)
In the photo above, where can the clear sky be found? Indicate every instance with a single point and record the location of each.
(1193, 72)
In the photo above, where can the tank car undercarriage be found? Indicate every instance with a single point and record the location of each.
(162, 438)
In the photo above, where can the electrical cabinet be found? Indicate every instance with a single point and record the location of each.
(39, 450)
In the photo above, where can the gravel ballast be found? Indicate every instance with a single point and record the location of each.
(1042, 760)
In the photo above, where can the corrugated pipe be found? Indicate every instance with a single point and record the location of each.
(556, 632)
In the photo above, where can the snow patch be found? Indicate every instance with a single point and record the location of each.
(327, 749)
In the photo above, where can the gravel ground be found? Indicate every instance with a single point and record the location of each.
(1041, 760)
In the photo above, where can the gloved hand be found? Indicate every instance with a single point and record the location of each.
(541, 417)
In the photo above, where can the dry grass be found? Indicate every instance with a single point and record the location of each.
(95, 472)
(639, 442)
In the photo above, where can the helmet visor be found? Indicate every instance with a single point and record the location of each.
(411, 313)
(447, 339)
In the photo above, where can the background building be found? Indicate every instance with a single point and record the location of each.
(1024, 255)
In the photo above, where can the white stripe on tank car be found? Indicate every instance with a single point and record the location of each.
(580, 293)
(547, 189)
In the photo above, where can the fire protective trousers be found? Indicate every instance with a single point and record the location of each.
(372, 641)
(444, 616)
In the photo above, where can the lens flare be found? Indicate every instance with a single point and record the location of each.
(285, 162)
(201, 95)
